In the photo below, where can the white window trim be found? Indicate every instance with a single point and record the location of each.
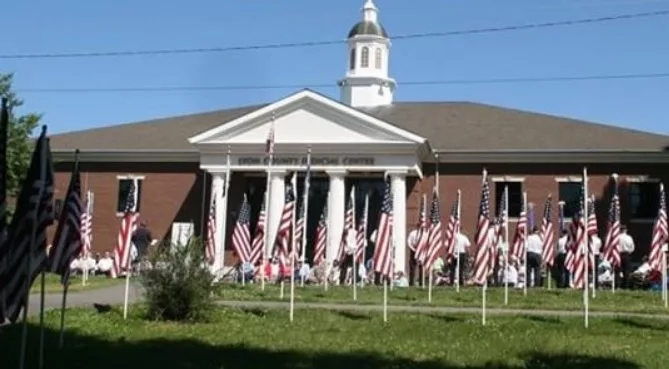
(124, 177)
(503, 179)
(642, 179)
(569, 179)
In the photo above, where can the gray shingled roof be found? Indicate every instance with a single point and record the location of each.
(446, 125)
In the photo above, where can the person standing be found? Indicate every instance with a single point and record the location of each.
(560, 267)
(535, 247)
(415, 269)
(142, 239)
(626, 249)
(461, 246)
(596, 247)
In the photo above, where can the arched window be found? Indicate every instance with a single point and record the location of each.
(378, 58)
(352, 60)
(364, 58)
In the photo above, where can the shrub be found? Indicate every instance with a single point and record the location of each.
(179, 287)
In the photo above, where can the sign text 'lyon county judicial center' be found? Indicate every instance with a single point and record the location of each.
(302, 160)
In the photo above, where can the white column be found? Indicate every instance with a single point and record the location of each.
(277, 198)
(399, 188)
(217, 187)
(336, 210)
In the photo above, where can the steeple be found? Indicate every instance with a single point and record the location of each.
(367, 83)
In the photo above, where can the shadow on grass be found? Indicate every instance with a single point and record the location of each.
(637, 324)
(353, 316)
(445, 318)
(543, 319)
(84, 352)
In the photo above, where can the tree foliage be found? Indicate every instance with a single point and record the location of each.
(19, 142)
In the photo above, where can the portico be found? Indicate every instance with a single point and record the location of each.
(344, 143)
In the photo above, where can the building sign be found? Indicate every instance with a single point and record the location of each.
(302, 160)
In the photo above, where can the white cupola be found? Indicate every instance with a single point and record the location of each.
(367, 83)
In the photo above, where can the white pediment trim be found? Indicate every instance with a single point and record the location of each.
(302, 99)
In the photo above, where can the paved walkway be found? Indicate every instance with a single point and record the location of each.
(114, 295)
(106, 296)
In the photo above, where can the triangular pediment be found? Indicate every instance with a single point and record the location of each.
(307, 118)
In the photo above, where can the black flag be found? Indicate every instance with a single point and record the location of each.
(67, 240)
(26, 235)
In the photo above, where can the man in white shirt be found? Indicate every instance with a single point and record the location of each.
(534, 248)
(626, 249)
(561, 269)
(595, 249)
(461, 246)
(415, 269)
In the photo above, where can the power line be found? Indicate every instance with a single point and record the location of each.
(333, 85)
(334, 42)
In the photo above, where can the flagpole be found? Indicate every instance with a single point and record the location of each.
(224, 210)
(61, 338)
(456, 252)
(549, 273)
(484, 289)
(84, 274)
(128, 247)
(385, 285)
(505, 273)
(327, 243)
(355, 240)
(364, 233)
(524, 255)
(270, 159)
(292, 253)
(613, 266)
(305, 203)
(33, 236)
(591, 252)
(664, 275)
(585, 248)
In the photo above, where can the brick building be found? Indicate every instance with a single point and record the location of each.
(179, 162)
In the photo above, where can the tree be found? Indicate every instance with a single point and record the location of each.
(19, 141)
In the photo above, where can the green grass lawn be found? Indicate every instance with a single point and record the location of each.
(324, 339)
(53, 284)
(621, 301)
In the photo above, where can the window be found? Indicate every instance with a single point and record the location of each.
(570, 193)
(364, 57)
(644, 199)
(124, 184)
(515, 189)
(352, 60)
(378, 58)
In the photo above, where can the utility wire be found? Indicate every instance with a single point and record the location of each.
(334, 42)
(333, 85)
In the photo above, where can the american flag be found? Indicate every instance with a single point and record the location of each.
(241, 234)
(422, 234)
(518, 248)
(435, 239)
(531, 223)
(259, 236)
(660, 232)
(612, 240)
(502, 219)
(269, 146)
(285, 231)
(128, 227)
(320, 240)
(579, 238)
(482, 239)
(383, 253)
(452, 228)
(299, 228)
(548, 234)
(361, 236)
(210, 246)
(32, 217)
(87, 225)
(592, 218)
(349, 226)
(67, 239)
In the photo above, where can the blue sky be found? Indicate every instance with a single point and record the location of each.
(619, 47)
